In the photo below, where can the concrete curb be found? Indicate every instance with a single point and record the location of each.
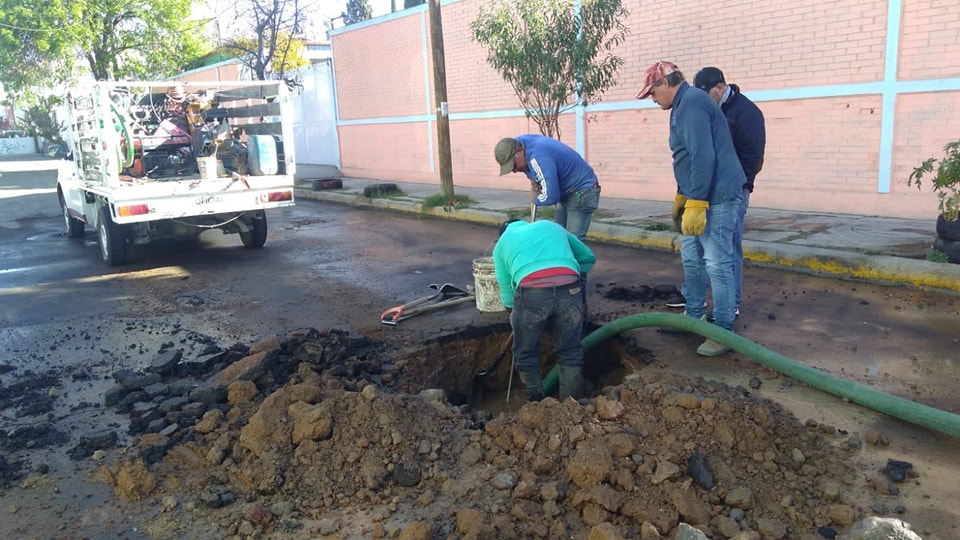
(835, 263)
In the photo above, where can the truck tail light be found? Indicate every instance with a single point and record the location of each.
(278, 196)
(133, 210)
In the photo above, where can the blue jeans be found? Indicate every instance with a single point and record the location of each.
(708, 260)
(743, 201)
(533, 310)
(575, 210)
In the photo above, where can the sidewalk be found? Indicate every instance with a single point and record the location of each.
(872, 249)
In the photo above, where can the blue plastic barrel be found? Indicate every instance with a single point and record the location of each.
(262, 154)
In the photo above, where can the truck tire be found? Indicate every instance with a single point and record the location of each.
(112, 240)
(73, 226)
(256, 237)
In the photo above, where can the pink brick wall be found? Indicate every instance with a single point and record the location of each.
(823, 153)
(760, 45)
(390, 152)
(379, 70)
(471, 84)
(930, 40)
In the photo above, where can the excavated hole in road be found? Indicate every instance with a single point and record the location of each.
(451, 363)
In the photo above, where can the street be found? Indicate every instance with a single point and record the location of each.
(327, 266)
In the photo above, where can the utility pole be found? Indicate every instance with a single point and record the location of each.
(440, 100)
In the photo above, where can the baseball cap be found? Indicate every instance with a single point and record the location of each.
(707, 78)
(655, 73)
(505, 151)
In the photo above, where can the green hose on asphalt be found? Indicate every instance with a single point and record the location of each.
(916, 413)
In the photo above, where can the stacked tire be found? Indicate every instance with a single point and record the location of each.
(948, 238)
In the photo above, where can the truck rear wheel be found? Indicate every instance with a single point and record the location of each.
(257, 236)
(73, 226)
(112, 240)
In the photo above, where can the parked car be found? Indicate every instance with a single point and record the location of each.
(12, 133)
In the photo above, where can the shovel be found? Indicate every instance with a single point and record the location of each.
(451, 295)
(476, 392)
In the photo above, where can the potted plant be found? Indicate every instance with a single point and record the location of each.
(944, 175)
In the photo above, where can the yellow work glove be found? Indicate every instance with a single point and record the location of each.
(677, 211)
(694, 217)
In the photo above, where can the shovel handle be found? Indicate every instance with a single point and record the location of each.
(439, 305)
(396, 313)
(504, 349)
(406, 314)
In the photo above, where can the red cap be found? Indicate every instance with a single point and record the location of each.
(655, 73)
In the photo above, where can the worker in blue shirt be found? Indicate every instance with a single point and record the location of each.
(558, 175)
(539, 267)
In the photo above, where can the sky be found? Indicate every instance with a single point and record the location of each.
(333, 8)
(221, 10)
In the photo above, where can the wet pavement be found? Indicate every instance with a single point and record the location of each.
(861, 248)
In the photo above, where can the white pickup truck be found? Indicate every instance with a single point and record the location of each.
(168, 160)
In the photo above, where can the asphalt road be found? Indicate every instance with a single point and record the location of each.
(330, 266)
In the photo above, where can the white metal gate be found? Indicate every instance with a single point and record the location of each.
(315, 120)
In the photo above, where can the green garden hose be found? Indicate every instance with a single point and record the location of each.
(916, 413)
(121, 126)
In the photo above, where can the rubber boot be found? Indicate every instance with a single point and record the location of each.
(532, 384)
(570, 383)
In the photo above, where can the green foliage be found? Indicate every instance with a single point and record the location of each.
(945, 182)
(357, 11)
(42, 41)
(38, 120)
(384, 193)
(30, 46)
(547, 213)
(270, 49)
(659, 226)
(439, 199)
(552, 56)
(284, 54)
(935, 255)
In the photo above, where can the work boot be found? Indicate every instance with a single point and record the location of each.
(571, 383)
(532, 384)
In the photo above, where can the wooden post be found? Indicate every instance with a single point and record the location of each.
(440, 100)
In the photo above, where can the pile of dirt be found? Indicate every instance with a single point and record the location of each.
(319, 443)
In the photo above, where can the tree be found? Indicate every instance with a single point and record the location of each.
(554, 57)
(42, 41)
(39, 122)
(357, 11)
(272, 50)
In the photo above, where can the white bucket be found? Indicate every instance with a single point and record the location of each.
(485, 285)
(207, 167)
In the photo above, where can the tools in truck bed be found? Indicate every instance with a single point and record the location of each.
(444, 295)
